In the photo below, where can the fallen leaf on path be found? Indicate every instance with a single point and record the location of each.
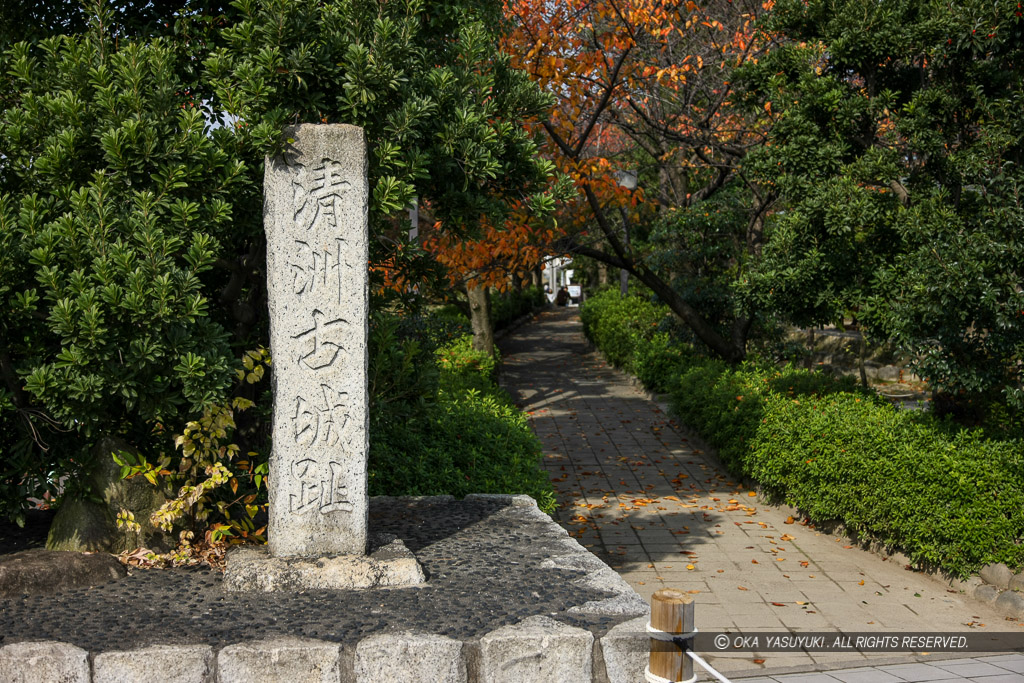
(789, 520)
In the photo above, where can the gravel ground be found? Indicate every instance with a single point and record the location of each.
(481, 559)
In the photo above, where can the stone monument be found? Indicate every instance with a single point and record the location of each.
(315, 216)
(315, 206)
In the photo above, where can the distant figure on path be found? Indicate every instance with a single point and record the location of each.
(562, 298)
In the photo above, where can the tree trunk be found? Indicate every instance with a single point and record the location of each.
(480, 319)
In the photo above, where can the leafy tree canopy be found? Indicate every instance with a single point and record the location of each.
(131, 227)
(898, 149)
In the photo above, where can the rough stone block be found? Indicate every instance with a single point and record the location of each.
(48, 571)
(1017, 583)
(293, 660)
(82, 525)
(164, 663)
(624, 652)
(43, 661)
(409, 658)
(997, 575)
(536, 650)
(966, 585)
(315, 216)
(1011, 603)
(986, 593)
(390, 565)
(514, 499)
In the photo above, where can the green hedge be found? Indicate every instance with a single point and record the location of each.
(948, 498)
(618, 325)
(509, 306)
(440, 425)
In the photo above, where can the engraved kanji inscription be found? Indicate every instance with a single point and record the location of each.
(318, 272)
(316, 193)
(319, 488)
(320, 345)
(321, 419)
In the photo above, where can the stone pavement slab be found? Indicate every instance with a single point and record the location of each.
(650, 499)
(1006, 668)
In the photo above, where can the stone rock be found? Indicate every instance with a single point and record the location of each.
(295, 660)
(315, 217)
(82, 526)
(391, 564)
(537, 649)
(513, 499)
(965, 585)
(997, 575)
(49, 571)
(164, 663)
(1017, 582)
(1011, 603)
(43, 661)
(986, 593)
(624, 652)
(409, 658)
(88, 526)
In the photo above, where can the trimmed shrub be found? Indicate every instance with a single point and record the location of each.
(618, 325)
(953, 501)
(442, 425)
(658, 362)
(509, 306)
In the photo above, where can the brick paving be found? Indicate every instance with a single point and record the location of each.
(648, 498)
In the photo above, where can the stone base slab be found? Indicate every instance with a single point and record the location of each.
(389, 565)
(511, 597)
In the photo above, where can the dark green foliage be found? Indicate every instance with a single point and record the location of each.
(898, 148)
(726, 405)
(658, 362)
(113, 202)
(449, 429)
(949, 501)
(618, 324)
(949, 498)
(510, 305)
(131, 235)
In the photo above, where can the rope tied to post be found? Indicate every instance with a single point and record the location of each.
(672, 630)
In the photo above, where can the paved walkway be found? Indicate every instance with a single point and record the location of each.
(647, 498)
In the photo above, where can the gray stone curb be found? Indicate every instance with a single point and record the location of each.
(536, 650)
(168, 663)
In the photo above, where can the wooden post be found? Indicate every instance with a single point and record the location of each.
(672, 612)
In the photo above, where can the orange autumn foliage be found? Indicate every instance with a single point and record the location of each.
(647, 76)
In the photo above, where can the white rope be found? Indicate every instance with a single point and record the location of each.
(669, 636)
(697, 658)
(658, 634)
(654, 678)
